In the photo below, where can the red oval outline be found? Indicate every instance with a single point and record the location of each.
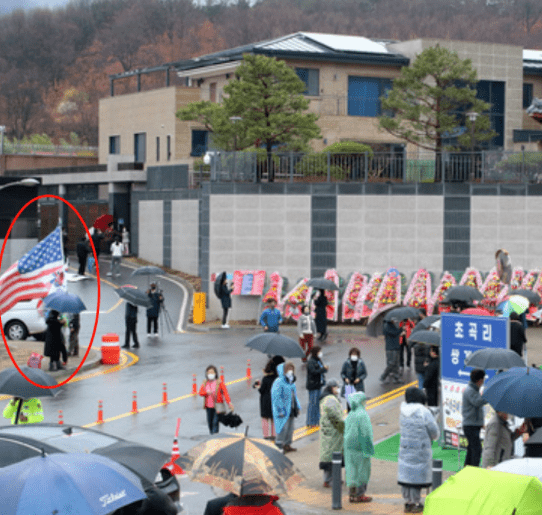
(97, 303)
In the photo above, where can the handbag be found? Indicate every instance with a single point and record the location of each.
(220, 407)
(34, 361)
(349, 389)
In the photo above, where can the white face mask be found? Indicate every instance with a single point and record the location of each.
(211, 377)
(354, 357)
(320, 355)
(290, 375)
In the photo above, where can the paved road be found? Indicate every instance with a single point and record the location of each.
(174, 358)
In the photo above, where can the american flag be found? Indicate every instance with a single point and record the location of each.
(30, 277)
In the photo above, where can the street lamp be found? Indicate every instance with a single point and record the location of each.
(27, 181)
(472, 118)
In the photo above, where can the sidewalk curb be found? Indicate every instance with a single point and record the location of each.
(89, 364)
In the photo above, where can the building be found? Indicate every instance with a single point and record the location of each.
(345, 77)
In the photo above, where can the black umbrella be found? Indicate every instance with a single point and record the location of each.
(320, 283)
(376, 326)
(531, 296)
(465, 294)
(134, 296)
(426, 323)
(218, 284)
(426, 337)
(498, 359)
(275, 344)
(13, 383)
(147, 270)
(144, 461)
(230, 419)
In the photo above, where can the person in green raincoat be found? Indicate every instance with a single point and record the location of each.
(358, 448)
(331, 427)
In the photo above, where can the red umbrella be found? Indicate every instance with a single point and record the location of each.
(102, 222)
(477, 311)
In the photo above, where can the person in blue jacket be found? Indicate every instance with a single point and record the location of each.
(285, 404)
(271, 317)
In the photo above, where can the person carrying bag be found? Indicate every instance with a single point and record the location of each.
(216, 397)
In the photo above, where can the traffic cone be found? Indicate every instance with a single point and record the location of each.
(172, 466)
(164, 394)
(60, 418)
(194, 385)
(134, 402)
(249, 371)
(100, 413)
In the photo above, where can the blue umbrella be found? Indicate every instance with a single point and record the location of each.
(517, 391)
(67, 484)
(64, 302)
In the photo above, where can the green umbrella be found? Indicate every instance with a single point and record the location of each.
(477, 491)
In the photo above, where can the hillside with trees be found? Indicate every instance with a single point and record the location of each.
(54, 64)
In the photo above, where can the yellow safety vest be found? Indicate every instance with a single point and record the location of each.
(31, 409)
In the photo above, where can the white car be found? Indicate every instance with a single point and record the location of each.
(24, 319)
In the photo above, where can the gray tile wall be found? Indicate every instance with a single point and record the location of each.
(167, 233)
(323, 234)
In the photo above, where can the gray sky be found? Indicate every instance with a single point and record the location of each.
(6, 6)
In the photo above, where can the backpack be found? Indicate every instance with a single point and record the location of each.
(34, 361)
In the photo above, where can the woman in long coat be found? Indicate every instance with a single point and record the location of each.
(320, 317)
(264, 387)
(225, 300)
(418, 428)
(331, 427)
(54, 344)
(358, 448)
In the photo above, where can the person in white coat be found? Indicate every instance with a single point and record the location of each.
(418, 429)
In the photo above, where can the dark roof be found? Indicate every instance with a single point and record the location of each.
(306, 46)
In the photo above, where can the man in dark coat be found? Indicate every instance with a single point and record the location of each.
(320, 315)
(153, 312)
(54, 345)
(517, 334)
(130, 319)
(431, 378)
(392, 332)
(82, 254)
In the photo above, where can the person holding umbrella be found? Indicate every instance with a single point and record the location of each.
(431, 379)
(130, 319)
(517, 334)
(498, 440)
(392, 332)
(54, 344)
(472, 411)
(30, 411)
(156, 299)
(215, 392)
(320, 303)
(75, 326)
(286, 405)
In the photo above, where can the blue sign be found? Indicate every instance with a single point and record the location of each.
(461, 335)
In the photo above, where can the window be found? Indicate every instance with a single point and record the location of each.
(364, 95)
(140, 144)
(168, 147)
(157, 148)
(311, 78)
(114, 144)
(527, 95)
(493, 93)
(212, 92)
(199, 143)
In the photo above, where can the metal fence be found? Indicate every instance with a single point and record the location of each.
(480, 167)
(49, 150)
